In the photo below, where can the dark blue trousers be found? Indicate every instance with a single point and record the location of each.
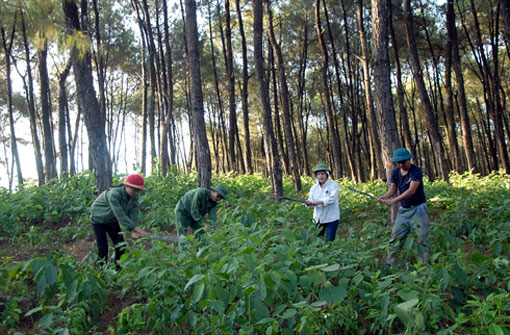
(330, 230)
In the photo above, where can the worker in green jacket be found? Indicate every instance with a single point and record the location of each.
(195, 204)
(116, 205)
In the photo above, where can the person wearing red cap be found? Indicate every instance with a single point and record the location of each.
(117, 205)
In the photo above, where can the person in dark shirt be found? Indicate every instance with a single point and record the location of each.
(413, 212)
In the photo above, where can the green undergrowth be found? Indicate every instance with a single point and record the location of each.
(261, 271)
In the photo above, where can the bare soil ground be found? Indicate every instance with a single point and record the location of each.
(80, 248)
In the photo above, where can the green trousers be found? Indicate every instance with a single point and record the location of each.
(183, 221)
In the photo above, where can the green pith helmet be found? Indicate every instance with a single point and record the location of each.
(321, 167)
(221, 190)
(401, 154)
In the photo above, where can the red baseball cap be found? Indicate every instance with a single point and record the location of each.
(136, 181)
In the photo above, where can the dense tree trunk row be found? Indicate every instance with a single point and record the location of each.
(328, 88)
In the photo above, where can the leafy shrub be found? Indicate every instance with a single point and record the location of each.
(262, 271)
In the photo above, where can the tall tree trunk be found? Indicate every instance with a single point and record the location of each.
(44, 87)
(162, 104)
(230, 164)
(417, 142)
(284, 94)
(145, 112)
(63, 112)
(217, 89)
(29, 89)
(163, 94)
(496, 84)
(276, 104)
(99, 61)
(263, 92)
(388, 132)
(461, 94)
(382, 83)
(214, 137)
(164, 158)
(432, 123)
(94, 121)
(197, 101)
(14, 145)
(244, 93)
(303, 60)
(335, 141)
(220, 141)
(73, 140)
(450, 124)
(350, 138)
(168, 122)
(153, 82)
(231, 91)
(144, 84)
(404, 118)
(224, 142)
(372, 124)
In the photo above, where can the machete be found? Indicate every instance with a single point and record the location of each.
(287, 198)
(370, 195)
(168, 238)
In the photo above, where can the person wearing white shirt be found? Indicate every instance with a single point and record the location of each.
(324, 200)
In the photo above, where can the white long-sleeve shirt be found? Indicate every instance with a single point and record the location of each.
(328, 194)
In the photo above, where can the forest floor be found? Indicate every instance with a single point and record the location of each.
(79, 248)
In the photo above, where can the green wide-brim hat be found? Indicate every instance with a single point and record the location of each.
(401, 154)
(321, 167)
(221, 190)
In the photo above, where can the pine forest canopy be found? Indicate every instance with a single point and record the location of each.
(253, 87)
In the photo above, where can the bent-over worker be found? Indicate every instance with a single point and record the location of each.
(118, 204)
(194, 205)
